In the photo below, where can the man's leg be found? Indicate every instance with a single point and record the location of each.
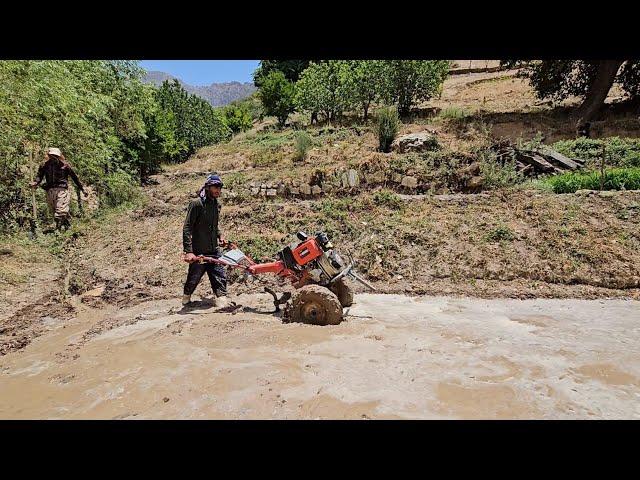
(52, 195)
(196, 270)
(218, 279)
(62, 207)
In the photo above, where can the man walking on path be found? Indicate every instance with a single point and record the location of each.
(201, 236)
(56, 172)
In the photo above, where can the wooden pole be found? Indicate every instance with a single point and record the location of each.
(33, 193)
(602, 167)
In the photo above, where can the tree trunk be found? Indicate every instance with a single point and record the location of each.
(597, 92)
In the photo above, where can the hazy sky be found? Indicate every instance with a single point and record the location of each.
(205, 72)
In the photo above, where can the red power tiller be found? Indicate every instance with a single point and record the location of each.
(314, 268)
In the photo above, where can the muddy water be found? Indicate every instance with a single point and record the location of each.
(394, 357)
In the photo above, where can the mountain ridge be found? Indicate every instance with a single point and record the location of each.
(217, 94)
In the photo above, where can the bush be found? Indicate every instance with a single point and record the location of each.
(497, 175)
(237, 117)
(388, 199)
(387, 127)
(622, 152)
(455, 113)
(615, 179)
(120, 187)
(303, 142)
(499, 234)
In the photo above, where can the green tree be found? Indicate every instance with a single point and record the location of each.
(277, 96)
(238, 117)
(408, 82)
(325, 88)
(365, 83)
(590, 80)
(290, 68)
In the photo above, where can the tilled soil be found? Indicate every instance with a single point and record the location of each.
(393, 357)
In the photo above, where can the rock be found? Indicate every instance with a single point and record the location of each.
(305, 189)
(281, 188)
(271, 192)
(255, 191)
(606, 193)
(415, 142)
(328, 188)
(294, 191)
(376, 177)
(585, 192)
(316, 190)
(96, 292)
(263, 192)
(471, 170)
(475, 183)
(409, 182)
(396, 178)
(350, 179)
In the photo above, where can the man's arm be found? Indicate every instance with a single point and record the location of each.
(187, 229)
(39, 177)
(75, 179)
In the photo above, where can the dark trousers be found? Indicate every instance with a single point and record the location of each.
(217, 278)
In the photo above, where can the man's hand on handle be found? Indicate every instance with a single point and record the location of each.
(189, 257)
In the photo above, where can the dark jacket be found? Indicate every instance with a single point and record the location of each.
(56, 174)
(200, 232)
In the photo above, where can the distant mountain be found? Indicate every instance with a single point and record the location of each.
(217, 94)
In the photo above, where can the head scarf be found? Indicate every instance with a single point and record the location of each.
(211, 180)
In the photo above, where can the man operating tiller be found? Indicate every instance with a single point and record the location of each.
(201, 236)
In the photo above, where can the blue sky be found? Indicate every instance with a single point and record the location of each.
(205, 72)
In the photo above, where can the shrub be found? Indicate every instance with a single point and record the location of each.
(614, 179)
(120, 187)
(387, 127)
(388, 199)
(499, 234)
(303, 142)
(623, 152)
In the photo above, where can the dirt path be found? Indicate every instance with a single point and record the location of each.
(395, 357)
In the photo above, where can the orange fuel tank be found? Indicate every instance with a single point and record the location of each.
(307, 251)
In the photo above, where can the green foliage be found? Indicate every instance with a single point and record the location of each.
(324, 88)
(560, 79)
(238, 117)
(499, 234)
(388, 199)
(277, 96)
(252, 104)
(291, 69)
(112, 128)
(408, 82)
(387, 127)
(623, 152)
(365, 83)
(614, 179)
(453, 113)
(496, 174)
(119, 188)
(197, 122)
(303, 142)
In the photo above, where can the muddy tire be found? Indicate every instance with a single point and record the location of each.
(315, 305)
(343, 292)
